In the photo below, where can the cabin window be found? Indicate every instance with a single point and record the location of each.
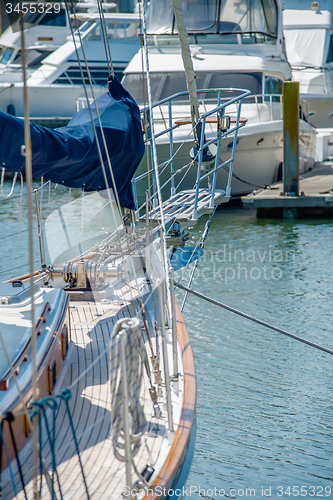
(163, 86)
(249, 81)
(137, 87)
(95, 33)
(31, 17)
(273, 85)
(34, 57)
(51, 377)
(54, 19)
(6, 56)
(99, 76)
(259, 17)
(199, 15)
(84, 27)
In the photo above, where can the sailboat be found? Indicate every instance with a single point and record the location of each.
(98, 387)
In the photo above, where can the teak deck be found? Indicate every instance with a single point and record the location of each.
(91, 328)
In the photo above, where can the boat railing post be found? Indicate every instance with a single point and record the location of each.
(281, 107)
(148, 267)
(125, 415)
(165, 358)
(137, 212)
(174, 327)
(40, 233)
(221, 114)
(325, 82)
(271, 105)
(228, 188)
(202, 139)
(257, 104)
(173, 190)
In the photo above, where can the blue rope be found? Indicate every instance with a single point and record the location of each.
(42, 406)
(66, 395)
(8, 462)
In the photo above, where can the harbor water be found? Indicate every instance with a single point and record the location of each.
(264, 401)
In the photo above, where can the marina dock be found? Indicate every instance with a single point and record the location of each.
(315, 198)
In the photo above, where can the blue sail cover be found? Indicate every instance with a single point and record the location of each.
(69, 155)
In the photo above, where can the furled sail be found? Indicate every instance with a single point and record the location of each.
(69, 155)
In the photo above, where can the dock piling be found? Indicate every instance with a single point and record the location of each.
(291, 138)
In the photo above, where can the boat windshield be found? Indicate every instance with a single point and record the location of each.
(164, 85)
(56, 17)
(34, 57)
(215, 17)
(115, 29)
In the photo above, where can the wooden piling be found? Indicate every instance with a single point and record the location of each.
(291, 138)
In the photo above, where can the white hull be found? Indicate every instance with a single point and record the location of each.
(46, 101)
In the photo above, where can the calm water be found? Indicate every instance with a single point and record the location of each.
(264, 408)
(265, 417)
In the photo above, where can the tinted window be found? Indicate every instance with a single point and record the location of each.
(54, 19)
(273, 85)
(249, 81)
(7, 54)
(164, 86)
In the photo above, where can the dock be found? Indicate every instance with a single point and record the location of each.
(315, 198)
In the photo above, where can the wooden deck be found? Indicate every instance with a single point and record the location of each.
(86, 373)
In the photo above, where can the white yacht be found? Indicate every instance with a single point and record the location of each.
(56, 84)
(309, 44)
(44, 32)
(234, 44)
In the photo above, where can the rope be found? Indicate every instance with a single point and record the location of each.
(3, 445)
(65, 395)
(105, 39)
(50, 403)
(134, 372)
(252, 318)
(2, 181)
(9, 417)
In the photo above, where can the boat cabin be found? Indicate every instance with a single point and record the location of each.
(227, 22)
(43, 33)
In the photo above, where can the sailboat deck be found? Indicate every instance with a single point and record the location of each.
(86, 374)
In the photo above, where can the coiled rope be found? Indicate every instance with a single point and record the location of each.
(131, 331)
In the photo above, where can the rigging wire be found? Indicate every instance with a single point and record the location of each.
(254, 319)
(105, 39)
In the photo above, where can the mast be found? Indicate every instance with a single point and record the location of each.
(188, 65)
(26, 152)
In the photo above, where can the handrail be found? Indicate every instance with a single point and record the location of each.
(166, 107)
